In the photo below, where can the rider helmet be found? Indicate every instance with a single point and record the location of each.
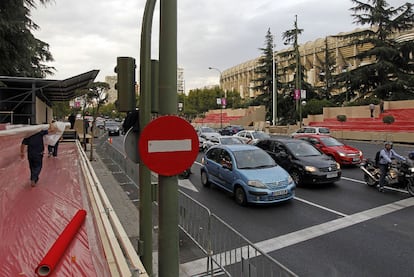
(388, 143)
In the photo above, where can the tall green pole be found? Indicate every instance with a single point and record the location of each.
(145, 204)
(168, 257)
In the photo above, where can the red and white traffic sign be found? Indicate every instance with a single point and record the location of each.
(168, 145)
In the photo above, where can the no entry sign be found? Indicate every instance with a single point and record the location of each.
(168, 145)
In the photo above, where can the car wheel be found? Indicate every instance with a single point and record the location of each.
(240, 196)
(296, 177)
(204, 179)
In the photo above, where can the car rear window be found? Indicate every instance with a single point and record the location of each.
(324, 130)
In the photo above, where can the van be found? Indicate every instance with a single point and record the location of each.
(312, 130)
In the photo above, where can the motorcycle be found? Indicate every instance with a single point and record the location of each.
(400, 174)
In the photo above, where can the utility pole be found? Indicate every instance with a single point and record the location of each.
(274, 76)
(168, 258)
(145, 187)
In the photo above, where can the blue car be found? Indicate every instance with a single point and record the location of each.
(248, 172)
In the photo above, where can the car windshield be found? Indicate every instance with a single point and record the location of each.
(231, 140)
(260, 135)
(328, 141)
(207, 130)
(302, 149)
(253, 159)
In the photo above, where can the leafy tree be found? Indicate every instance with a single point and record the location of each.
(200, 101)
(94, 96)
(393, 67)
(21, 54)
(61, 109)
(264, 72)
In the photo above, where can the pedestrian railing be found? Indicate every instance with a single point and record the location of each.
(226, 251)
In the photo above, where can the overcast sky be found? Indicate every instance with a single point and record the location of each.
(90, 34)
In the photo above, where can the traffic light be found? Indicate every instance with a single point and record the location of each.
(125, 69)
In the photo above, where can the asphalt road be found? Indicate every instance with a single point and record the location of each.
(341, 229)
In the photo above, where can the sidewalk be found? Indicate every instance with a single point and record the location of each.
(125, 208)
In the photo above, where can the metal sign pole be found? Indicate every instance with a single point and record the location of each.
(168, 257)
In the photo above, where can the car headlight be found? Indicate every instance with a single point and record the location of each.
(290, 180)
(341, 154)
(338, 166)
(412, 169)
(310, 168)
(256, 184)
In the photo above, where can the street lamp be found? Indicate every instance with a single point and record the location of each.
(219, 101)
(219, 71)
(303, 103)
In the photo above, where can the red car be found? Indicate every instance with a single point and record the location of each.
(342, 153)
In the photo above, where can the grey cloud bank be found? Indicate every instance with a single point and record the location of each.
(87, 34)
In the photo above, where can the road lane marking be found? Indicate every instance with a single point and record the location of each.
(185, 183)
(170, 145)
(319, 206)
(386, 187)
(277, 243)
(353, 180)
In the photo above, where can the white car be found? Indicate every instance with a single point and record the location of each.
(312, 130)
(207, 132)
(251, 136)
(225, 140)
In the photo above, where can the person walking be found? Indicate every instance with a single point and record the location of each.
(72, 120)
(381, 105)
(372, 109)
(385, 156)
(35, 148)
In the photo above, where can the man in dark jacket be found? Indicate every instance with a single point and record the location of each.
(35, 150)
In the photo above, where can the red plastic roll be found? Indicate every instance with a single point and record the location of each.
(48, 263)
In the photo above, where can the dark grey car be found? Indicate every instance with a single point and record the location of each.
(305, 163)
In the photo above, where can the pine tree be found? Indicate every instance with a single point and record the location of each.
(393, 68)
(21, 54)
(264, 72)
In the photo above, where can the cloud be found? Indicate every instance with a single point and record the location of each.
(88, 34)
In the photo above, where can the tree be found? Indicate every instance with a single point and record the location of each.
(21, 54)
(392, 69)
(61, 109)
(264, 71)
(299, 83)
(94, 96)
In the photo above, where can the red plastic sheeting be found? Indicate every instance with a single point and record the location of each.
(53, 256)
(31, 219)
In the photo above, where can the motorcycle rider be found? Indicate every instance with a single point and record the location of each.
(386, 154)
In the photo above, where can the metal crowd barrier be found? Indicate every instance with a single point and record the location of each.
(227, 251)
